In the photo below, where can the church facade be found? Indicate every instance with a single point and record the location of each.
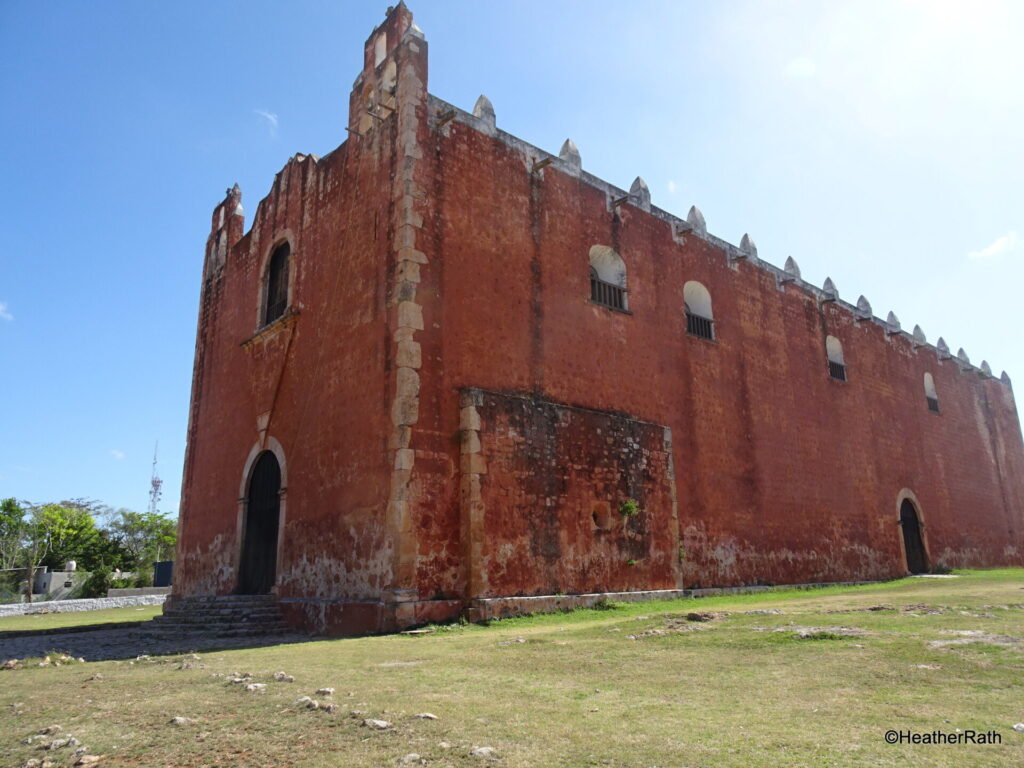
(445, 372)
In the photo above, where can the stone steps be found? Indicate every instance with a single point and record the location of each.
(234, 616)
(255, 615)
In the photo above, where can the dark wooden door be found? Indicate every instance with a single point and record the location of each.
(258, 570)
(917, 560)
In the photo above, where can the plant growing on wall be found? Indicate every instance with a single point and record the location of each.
(629, 508)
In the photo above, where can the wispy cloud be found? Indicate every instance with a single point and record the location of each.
(801, 68)
(1008, 245)
(271, 119)
(5, 313)
(116, 454)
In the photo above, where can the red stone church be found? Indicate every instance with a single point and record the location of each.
(445, 372)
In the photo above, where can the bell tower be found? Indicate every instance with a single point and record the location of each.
(394, 44)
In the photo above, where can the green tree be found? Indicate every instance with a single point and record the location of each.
(36, 542)
(55, 533)
(145, 537)
(72, 535)
(12, 525)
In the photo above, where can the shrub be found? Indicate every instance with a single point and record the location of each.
(98, 584)
(629, 508)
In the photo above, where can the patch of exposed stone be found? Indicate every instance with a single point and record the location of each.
(54, 660)
(972, 636)
(869, 609)
(816, 633)
(922, 609)
(681, 623)
(53, 739)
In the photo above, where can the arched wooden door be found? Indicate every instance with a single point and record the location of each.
(258, 568)
(913, 543)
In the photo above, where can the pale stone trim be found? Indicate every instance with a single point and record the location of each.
(472, 466)
(406, 317)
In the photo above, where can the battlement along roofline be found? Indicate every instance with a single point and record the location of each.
(568, 165)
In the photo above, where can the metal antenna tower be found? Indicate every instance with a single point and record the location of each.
(155, 485)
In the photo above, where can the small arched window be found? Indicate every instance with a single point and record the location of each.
(929, 393)
(607, 278)
(697, 304)
(836, 363)
(277, 284)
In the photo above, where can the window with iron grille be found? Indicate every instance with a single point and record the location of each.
(277, 284)
(701, 327)
(836, 362)
(697, 306)
(606, 294)
(837, 371)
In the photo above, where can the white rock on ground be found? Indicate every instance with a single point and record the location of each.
(324, 691)
(182, 720)
(410, 759)
(482, 752)
(379, 725)
(307, 702)
(256, 687)
(427, 716)
(282, 677)
(69, 741)
(1019, 727)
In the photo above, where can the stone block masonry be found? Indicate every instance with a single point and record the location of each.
(548, 489)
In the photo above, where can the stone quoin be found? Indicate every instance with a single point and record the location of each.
(445, 368)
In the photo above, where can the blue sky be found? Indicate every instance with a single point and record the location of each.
(879, 143)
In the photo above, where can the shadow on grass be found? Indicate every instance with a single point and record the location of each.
(127, 640)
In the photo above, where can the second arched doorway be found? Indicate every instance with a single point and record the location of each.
(913, 541)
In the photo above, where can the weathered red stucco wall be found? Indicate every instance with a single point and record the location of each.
(433, 258)
(784, 474)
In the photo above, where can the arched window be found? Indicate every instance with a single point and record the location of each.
(697, 304)
(836, 364)
(607, 278)
(277, 284)
(929, 393)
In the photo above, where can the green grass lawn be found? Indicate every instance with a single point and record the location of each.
(77, 618)
(637, 685)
